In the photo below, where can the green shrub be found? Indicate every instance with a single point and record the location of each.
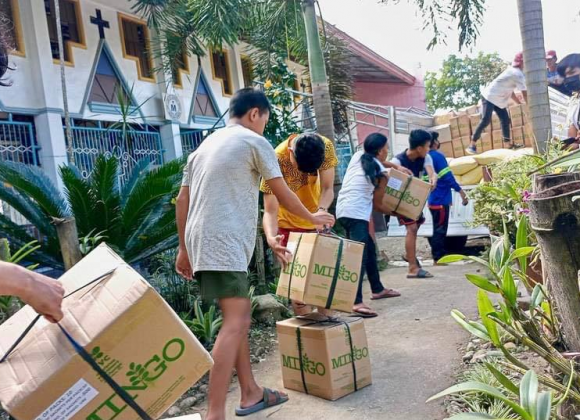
(177, 291)
(204, 325)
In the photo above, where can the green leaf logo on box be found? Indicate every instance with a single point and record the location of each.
(406, 197)
(310, 366)
(140, 377)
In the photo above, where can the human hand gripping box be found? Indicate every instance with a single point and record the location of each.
(124, 325)
(324, 272)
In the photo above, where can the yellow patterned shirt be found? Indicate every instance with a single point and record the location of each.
(306, 186)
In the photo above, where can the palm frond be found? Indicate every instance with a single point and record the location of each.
(33, 182)
(137, 173)
(47, 255)
(28, 208)
(104, 182)
(81, 199)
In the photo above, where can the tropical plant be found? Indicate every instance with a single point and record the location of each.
(459, 81)
(178, 292)
(90, 241)
(8, 303)
(536, 328)
(204, 325)
(531, 404)
(137, 218)
(282, 122)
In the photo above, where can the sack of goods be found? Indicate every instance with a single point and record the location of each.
(406, 195)
(463, 165)
(324, 272)
(119, 352)
(324, 358)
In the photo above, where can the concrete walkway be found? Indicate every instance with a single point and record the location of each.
(414, 351)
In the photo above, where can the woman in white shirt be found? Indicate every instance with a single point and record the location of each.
(363, 189)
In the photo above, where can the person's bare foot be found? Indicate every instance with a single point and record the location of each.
(257, 396)
(385, 294)
(364, 311)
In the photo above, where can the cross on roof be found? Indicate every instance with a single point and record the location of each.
(100, 22)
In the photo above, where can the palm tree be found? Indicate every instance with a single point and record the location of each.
(532, 30)
(137, 219)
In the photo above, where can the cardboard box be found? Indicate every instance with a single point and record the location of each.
(464, 124)
(486, 142)
(454, 127)
(458, 149)
(447, 149)
(328, 360)
(529, 135)
(516, 115)
(518, 135)
(497, 139)
(128, 329)
(443, 119)
(406, 195)
(444, 133)
(475, 120)
(312, 277)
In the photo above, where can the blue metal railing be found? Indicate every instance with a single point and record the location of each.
(18, 142)
(89, 143)
(344, 154)
(191, 139)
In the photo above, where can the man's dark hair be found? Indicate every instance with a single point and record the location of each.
(419, 138)
(309, 152)
(570, 61)
(5, 48)
(434, 138)
(246, 99)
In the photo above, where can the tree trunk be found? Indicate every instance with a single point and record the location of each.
(318, 77)
(545, 182)
(555, 219)
(532, 30)
(68, 237)
(68, 130)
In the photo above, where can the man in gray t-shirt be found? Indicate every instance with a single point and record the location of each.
(217, 219)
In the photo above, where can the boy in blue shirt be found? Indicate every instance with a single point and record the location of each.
(440, 198)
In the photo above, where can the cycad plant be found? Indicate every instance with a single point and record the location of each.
(137, 219)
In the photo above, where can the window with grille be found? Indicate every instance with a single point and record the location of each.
(11, 24)
(136, 45)
(248, 71)
(70, 23)
(221, 70)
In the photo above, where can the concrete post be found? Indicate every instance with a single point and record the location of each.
(171, 140)
(51, 139)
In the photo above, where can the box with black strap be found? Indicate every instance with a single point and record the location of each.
(324, 271)
(324, 357)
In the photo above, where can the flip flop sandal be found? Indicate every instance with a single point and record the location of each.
(422, 274)
(264, 404)
(416, 259)
(364, 313)
(390, 293)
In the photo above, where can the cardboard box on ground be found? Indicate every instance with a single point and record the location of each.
(406, 195)
(314, 278)
(323, 358)
(128, 329)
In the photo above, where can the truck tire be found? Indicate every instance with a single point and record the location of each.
(455, 244)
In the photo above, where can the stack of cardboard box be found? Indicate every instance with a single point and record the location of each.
(456, 128)
(325, 357)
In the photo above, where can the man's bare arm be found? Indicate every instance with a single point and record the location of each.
(182, 263)
(326, 188)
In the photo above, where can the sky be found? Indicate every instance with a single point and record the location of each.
(395, 30)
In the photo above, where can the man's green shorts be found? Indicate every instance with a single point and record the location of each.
(222, 284)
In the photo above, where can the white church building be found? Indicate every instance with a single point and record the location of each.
(105, 50)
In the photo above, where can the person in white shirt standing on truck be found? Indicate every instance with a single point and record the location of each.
(496, 97)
